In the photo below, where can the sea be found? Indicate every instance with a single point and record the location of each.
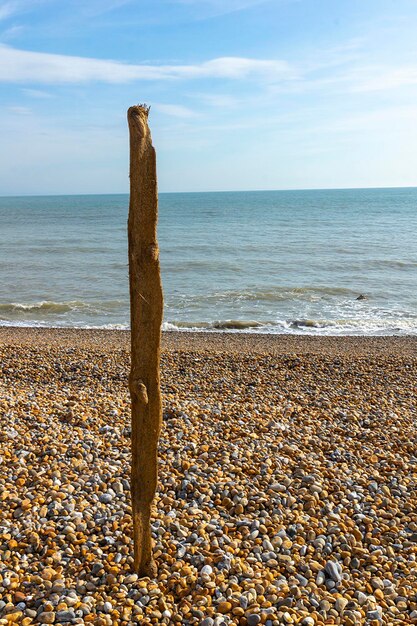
(331, 262)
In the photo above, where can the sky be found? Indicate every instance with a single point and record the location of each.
(244, 94)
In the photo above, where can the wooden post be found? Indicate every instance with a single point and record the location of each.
(146, 308)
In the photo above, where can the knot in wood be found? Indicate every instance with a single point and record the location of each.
(138, 388)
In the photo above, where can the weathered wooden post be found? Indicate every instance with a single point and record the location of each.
(146, 308)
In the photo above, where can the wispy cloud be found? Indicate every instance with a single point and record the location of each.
(11, 33)
(384, 120)
(100, 7)
(366, 79)
(230, 4)
(23, 66)
(175, 110)
(18, 66)
(216, 100)
(37, 93)
(7, 9)
(215, 8)
(379, 78)
(11, 8)
(19, 110)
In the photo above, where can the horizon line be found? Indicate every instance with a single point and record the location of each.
(126, 193)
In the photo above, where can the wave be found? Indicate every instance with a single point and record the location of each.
(291, 293)
(51, 307)
(302, 326)
(396, 263)
(305, 324)
(216, 325)
(48, 306)
(296, 327)
(307, 313)
(270, 295)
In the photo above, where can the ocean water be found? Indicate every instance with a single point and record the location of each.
(273, 261)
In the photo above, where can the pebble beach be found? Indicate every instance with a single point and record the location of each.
(287, 481)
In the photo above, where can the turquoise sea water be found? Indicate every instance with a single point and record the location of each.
(273, 261)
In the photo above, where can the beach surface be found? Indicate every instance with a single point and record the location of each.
(287, 483)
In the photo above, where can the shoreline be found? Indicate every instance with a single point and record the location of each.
(257, 343)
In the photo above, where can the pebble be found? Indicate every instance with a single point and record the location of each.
(341, 604)
(374, 615)
(273, 505)
(333, 570)
(106, 498)
(65, 616)
(207, 570)
(361, 598)
(117, 487)
(47, 617)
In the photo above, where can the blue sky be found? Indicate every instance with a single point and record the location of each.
(244, 94)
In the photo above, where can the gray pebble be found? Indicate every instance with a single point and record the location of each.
(65, 616)
(243, 601)
(361, 598)
(278, 487)
(117, 487)
(106, 498)
(334, 571)
(371, 615)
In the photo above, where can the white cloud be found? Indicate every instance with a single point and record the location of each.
(39, 67)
